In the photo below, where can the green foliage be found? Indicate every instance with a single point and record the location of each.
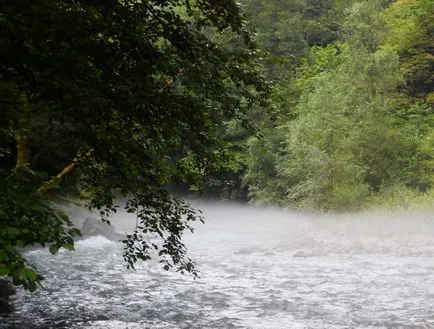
(26, 220)
(288, 29)
(399, 197)
(364, 26)
(261, 175)
(116, 98)
(357, 120)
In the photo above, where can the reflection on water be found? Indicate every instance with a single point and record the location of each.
(261, 268)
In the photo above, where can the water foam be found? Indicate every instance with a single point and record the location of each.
(261, 268)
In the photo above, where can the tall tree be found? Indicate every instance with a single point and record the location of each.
(109, 98)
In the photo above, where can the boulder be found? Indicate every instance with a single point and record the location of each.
(94, 227)
(299, 253)
(6, 290)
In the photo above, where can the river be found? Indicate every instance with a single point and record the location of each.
(260, 268)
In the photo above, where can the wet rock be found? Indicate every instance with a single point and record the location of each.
(300, 253)
(94, 227)
(6, 290)
(5, 307)
(243, 251)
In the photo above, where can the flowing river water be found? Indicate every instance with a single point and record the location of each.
(260, 268)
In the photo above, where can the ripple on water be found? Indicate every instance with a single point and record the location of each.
(297, 272)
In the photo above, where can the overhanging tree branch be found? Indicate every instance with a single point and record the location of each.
(50, 184)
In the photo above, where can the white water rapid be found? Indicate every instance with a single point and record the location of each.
(260, 269)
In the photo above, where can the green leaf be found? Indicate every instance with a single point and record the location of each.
(13, 231)
(4, 270)
(68, 246)
(30, 273)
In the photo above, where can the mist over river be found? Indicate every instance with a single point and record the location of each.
(260, 268)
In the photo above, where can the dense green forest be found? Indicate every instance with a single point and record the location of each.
(321, 105)
(352, 123)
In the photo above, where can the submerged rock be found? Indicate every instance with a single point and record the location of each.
(300, 253)
(94, 227)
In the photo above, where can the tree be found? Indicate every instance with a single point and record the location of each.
(344, 144)
(113, 98)
(360, 121)
(287, 29)
(411, 32)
